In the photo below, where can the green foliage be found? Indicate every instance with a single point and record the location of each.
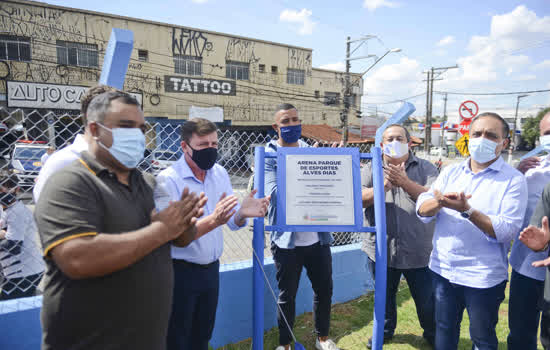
(531, 127)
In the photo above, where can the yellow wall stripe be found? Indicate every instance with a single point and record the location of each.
(65, 239)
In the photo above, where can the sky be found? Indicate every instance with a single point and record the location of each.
(499, 45)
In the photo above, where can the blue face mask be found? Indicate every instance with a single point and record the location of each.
(291, 134)
(545, 142)
(128, 145)
(482, 150)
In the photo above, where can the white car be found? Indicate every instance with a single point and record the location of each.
(162, 159)
(438, 151)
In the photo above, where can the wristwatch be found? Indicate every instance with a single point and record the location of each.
(466, 214)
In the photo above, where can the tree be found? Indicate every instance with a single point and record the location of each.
(531, 127)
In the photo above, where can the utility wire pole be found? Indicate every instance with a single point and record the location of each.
(347, 94)
(429, 104)
(444, 118)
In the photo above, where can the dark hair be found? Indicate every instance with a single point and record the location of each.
(199, 126)
(9, 181)
(505, 126)
(407, 134)
(98, 108)
(284, 107)
(90, 94)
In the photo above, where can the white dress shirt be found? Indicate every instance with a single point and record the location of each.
(20, 227)
(462, 253)
(170, 185)
(57, 161)
(522, 257)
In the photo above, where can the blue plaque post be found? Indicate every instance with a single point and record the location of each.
(117, 57)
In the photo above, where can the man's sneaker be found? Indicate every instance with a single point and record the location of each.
(386, 338)
(325, 345)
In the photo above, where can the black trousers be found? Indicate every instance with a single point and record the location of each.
(194, 306)
(317, 260)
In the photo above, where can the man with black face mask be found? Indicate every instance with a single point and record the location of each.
(196, 267)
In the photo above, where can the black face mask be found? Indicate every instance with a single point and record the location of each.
(6, 199)
(205, 158)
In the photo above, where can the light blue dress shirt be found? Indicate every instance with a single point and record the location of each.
(170, 185)
(522, 257)
(285, 240)
(462, 253)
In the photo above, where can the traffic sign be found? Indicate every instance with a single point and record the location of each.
(468, 110)
(464, 127)
(462, 145)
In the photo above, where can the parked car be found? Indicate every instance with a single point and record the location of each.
(438, 151)
(25, 162)
(162, 159)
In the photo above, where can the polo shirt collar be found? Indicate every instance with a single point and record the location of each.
(496, 166)
(96, 168)
(183, 169)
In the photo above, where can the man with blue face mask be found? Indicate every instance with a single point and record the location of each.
(527, 282)
(409, 239)
(109, 277)
(478, 205)
(294, 250)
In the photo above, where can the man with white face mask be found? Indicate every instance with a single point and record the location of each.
(409, 239)
(527, 282)
(109, 277)
(478, 205)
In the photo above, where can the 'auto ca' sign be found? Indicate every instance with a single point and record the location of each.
(199, 86)
(49, 96)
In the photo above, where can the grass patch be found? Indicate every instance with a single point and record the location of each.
(352, 322)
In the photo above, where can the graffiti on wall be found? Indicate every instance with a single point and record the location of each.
(190, 42)
(40, 23)
(299, 59)
(241, 51)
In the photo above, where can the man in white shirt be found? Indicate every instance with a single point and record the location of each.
(22, 263)
(67, 155)
(196, 266)
(527, 282)
(46, 155)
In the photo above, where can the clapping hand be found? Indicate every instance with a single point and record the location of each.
(254, 207)
(537, 239)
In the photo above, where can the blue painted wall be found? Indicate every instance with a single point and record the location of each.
(20, 319)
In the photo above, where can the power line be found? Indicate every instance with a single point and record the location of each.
(492, 93)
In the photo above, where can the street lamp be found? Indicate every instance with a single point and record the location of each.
(513, 141)
(347, 96)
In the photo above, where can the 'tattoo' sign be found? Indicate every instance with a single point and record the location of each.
(464, 127)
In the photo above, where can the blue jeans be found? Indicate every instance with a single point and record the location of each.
(523, 312)
(420, 285)
(194, 306)
(482, 305)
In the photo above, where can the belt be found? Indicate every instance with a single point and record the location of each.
(191, 264)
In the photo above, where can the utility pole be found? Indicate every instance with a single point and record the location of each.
(445, 119)
(347, 94)
(429, 104)
(513, 136)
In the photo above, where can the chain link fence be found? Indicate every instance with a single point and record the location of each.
(27, 135)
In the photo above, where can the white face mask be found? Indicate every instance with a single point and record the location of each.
(396, 149)
(128, 145)
(482, 150)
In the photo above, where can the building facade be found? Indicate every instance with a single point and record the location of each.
(50, 54)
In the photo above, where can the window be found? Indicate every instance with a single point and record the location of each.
(15, 48)
(274, 69)
(143, 55)
(332, 98)
(189, 65)
(77, 54)
(295, 76)
(261, 68)
(316, 93)
(236, 70)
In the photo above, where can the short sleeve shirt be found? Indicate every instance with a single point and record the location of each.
(409, 240)
(128, 309)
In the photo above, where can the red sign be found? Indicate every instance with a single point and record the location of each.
(464, 126)
(468, 110)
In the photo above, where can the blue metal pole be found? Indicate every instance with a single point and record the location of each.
(258, 246)
(381, 254)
